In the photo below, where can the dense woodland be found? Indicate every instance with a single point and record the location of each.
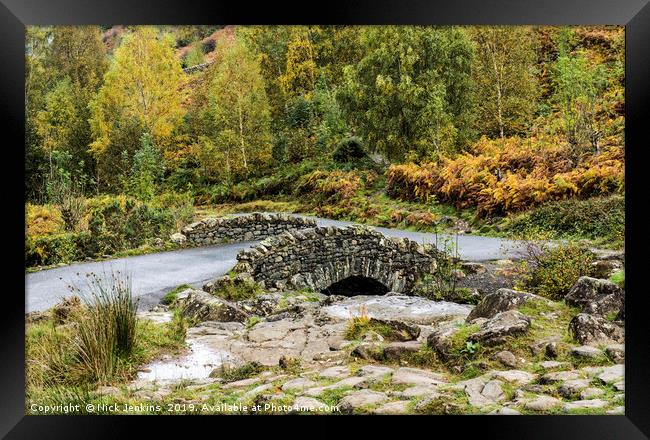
(389, 125)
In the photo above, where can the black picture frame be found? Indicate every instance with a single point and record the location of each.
(634, 14)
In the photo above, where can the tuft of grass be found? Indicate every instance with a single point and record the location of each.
(106, 332)
(618, 278)
(171, 296)
(237, 291)
(246, 371)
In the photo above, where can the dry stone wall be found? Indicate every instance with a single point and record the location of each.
(316, 258)
(247, 227)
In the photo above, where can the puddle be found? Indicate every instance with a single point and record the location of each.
(197, 364)
(406, 308)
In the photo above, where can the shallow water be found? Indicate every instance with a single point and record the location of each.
(197, 364)
(406, 308)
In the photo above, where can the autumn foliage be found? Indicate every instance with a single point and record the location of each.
(510, 175)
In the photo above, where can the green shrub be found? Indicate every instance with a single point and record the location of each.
(552, 271)
(349, 150)
(598, 218)
(51, 249)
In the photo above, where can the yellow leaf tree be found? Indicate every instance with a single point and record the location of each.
(142, 93)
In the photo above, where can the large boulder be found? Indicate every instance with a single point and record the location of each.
(441, 341)
(596, 296)
(500, 301)
(201, 306)
(495, 330)
(399, 330)
(593, 329)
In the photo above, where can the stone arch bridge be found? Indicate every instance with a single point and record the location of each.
(337, 260)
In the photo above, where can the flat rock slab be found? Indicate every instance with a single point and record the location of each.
(586, 351)
(415, 376)
(543, 403)
(361, 399)
(338, 372)
(417, 391)
(590, 393)
(394, 408)
(560, 376)
(505, 411)
(553, 365)
(619, 410)
(304, 404)
(399, 307)
(571, 388)
(349, 382)
(298, 384)
(375, 371)
(612, 374)
(514, 377)
(584, 404)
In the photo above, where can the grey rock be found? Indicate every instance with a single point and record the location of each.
(559, 376)
(616, 352)
(586, 351)
(613, 374)
(178, 238)
(393, 408)
(201, 306)
(441, 341)
(505, 411)
(543, 403)
(506, 358)
(592, 329)
(501, 326)
(398, 350)
(493, 391)
(375, 371)
(298, 384)
(584, 404)
(552, 365)
(590, 393)
(415, 376)
(515, 377)
(500, 301)
(596, 296)
(360, 400)
(337, 372)
(308, 404)
(572, 388)
(417, 391)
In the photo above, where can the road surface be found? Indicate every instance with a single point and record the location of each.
(153, 275)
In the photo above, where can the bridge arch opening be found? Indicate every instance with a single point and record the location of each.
(356, 285)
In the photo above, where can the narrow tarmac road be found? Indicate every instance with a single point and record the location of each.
(153, 275)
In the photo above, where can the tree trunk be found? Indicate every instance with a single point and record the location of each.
(498, 88)
(241, 136)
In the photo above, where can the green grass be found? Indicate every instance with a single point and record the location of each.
(618, 278)
(237, 291)
(171, 296)
(246, 371)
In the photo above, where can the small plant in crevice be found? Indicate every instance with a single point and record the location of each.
(442, 283)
